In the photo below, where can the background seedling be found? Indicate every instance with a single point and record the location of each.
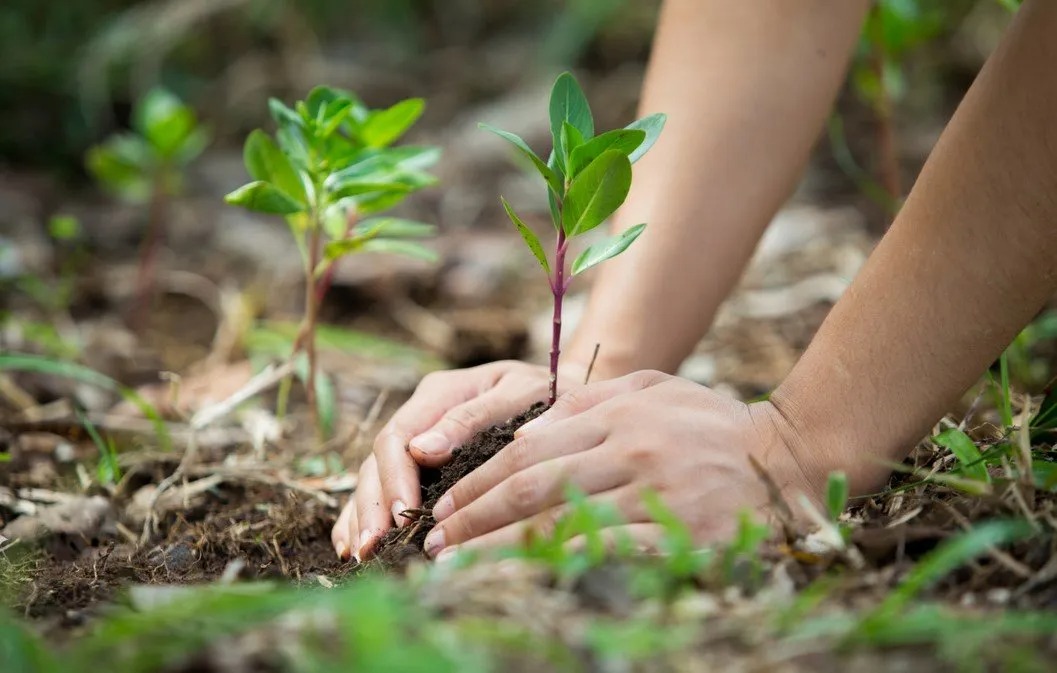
(329, 165)
(587, 178)
(146, 166)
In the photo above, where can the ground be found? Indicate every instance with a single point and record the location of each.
(199, 540)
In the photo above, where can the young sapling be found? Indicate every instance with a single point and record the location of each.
(146, 165)
(329, 166)
(587, 178)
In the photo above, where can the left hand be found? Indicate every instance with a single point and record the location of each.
(616, 439)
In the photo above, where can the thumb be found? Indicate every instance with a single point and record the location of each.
(579, 400)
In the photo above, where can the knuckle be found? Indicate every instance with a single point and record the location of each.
(516, 455)
(469, 416)
(525, 492)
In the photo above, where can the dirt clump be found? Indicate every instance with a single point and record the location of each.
(399, 546)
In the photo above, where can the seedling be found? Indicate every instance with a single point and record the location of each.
(146, 166)
(587, 178)
(330, 165)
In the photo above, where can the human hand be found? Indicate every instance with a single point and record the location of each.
(613, 441)
(445, 411)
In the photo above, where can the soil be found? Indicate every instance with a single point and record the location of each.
(254, 532)
(399, 546)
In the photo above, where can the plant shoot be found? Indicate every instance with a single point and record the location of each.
(329, 166)
(587, 178)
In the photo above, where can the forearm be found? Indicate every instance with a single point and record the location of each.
(970, 259)
(747, 87)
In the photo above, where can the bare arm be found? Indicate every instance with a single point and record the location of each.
(970, 259)
(747, 87)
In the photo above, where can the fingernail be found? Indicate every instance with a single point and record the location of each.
(342, 549)
(431, 443)
(434, 543)
(397, 509)
(447, 554)
(444, 508)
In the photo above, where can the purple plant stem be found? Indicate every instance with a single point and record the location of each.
(558, 287)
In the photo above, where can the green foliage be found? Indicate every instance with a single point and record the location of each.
(108, 470)
(329, 165)
(949, 556)
(836, 494)
(165, 137)
(583, 521)
(18, 362)
(964, 449)
(588, 176)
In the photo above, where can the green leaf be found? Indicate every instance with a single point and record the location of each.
(530, 237)
(596, 193)
(284, 116)
(622, 140)
(41, 365)
(266, 162)
(965, 450)
(571, 139)
(263, 197)
(607, 249)
(1045, 420)
(836, 494)
(569, 104)
(400, 247)
(164, 121)
(393, 227)
(652, 127)
(553, 181)
(123, 165)
(385, 126)
(950, 555)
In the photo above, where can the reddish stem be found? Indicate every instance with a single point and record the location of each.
(149, 253)
(311, 313)
(328, 276)
(558, 287)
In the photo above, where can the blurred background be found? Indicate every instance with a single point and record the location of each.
(229, 283)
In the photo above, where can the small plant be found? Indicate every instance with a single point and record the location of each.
(146, 166)
(587, 179)
(329, 166)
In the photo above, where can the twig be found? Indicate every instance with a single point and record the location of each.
(270, 376)
(591, 366)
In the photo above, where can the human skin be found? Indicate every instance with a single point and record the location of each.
(971, 257)
(746, 87)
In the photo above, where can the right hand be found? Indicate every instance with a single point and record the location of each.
(447, 409)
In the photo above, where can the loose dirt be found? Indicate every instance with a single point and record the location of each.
(401, 545)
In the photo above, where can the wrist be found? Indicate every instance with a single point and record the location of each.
(821, 443)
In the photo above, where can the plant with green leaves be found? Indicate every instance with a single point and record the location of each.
(329, 166)
(587, 178)
(145, 166)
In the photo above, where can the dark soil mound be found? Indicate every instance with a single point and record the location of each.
(401, 545)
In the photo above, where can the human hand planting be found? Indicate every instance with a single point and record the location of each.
(615, 440)
(445, 411)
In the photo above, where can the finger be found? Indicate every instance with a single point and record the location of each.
(459, 424)
(562, 439)
(626, 500)
(437, 393)
(579, 400)
(635, 537)
(372, 513)
(345, 529)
